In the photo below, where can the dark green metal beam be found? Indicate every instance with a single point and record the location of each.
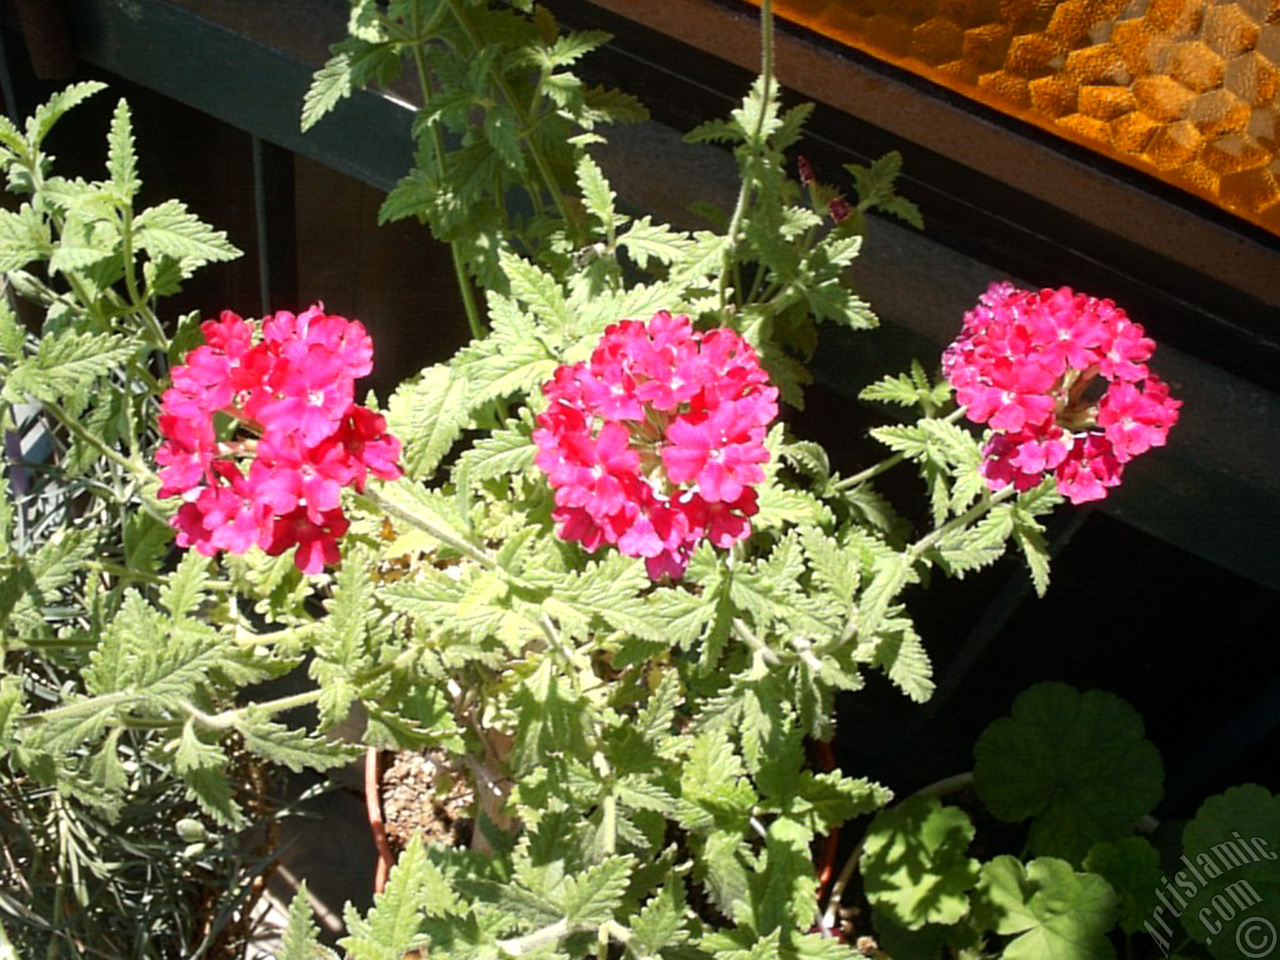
(228, 69)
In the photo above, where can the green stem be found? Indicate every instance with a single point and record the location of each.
(477, 554)
(888, 463)
(870, 473)
(520, 946)
(474, 320)
(73, 426)
(744, 192)
(526, 123)
(229, 719)
(975, 512)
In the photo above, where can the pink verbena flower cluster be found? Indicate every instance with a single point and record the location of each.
(1061, 378)
(261, 436)
(658, 441)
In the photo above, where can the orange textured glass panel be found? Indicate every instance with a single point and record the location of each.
(1186, 90)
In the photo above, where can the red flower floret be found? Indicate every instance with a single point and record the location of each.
(1030, 365)
(657, 442)
(297, 438)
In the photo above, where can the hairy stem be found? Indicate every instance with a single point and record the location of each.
(474, 320)
(744, 192)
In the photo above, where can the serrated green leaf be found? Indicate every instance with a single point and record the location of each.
(194, 754)
(211, 789)
(1078, 764)
(714, 790)
(429, 413)
(184, 589)
(394, 926)
(352, 64)
(300, 940)
(25, 236)
(13, 337)
(146, 542)
(11, 703)
(53, 109)
(538, 289)
(901, 654)
(169, 230)
(834, 798)
(505, 451)
(511, 360)
(645, 240)
(661, 921)
(551, 719)
(290, 746)
(594, 896)
(597, 196)
(84, 242)
(122, 160)
(27, 590)
(69, 364)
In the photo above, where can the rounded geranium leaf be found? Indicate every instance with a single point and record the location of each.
(915, 866)
(1230, 874)
(1078, 763)
(1132, 867)
(1050, 909)
(933, 941)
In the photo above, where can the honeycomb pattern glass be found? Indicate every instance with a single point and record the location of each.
(1185, 90)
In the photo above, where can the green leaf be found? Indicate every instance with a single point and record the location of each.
(784, 891)
(611, 591)
(168, 230)
(353, 64)
(52, 110)
(34, 585)
(146, 541)
(512, 359)
(537, 288)
(597, 196)
(645, 240)
(429, 414)
(122, 160)
(84, 242)
(1028, 533)
(1051, 910)
(150, 657)
(505, 451)
(551, 719)
(594, 896)
(714, 789)
(661, 921)
(394, 926)
(1078, 764)
(291, 747)
(194, 754)
(834, 798)
(300, 940)
(24, 236)
(184, 589)
(1132, 867)
(915, 864)
(757, 118)
(901, 654)
(892, 573)
(13, 337)
(211, 789)
(1230, 860)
